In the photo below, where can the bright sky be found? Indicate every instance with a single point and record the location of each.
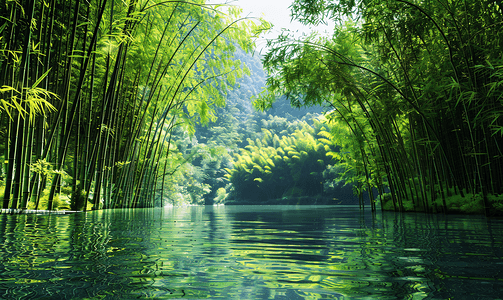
(276, 12)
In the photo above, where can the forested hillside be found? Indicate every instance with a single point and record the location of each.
(213, 172)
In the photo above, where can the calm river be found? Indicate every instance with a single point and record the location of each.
(250, 252)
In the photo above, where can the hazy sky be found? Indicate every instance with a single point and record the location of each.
(274, 11)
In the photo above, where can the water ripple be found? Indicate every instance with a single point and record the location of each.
(249, 253)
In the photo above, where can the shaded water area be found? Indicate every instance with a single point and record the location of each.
(250, 252)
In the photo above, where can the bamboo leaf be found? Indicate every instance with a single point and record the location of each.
(40, 79)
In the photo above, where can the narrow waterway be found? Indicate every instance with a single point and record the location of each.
(250, 252)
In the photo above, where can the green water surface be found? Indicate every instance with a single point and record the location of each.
(250, 252)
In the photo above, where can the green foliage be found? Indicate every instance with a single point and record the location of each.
(455, 203)
(221, 195)
(2, 189)
(415, 90)
(496, 202)
(41, 167)
(31, 102)
(470, 203)
(60, 202)
(275, 166)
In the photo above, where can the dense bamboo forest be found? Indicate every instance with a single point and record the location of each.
(143, 103)
(92, 92)
(416, 87)
(153, 149)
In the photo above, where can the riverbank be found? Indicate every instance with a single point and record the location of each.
(452, 204)
(38, 212)
(302, 200)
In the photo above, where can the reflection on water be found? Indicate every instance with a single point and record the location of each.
(250, 252)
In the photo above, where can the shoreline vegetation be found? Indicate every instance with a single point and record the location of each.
(455, 204)
(37, 212)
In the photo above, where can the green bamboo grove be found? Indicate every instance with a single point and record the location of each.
(417, 86)
(91, 92)
(274, 167)
(293, 164)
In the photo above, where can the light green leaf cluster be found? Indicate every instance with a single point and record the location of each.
(272, 166)
(31, 102)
